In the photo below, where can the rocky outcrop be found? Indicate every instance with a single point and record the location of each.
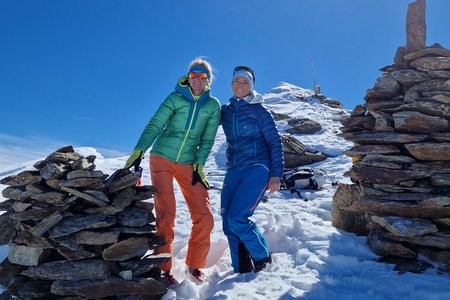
(77, 232)
(401, 159)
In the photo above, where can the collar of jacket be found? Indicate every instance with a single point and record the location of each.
(183, 88)
(253, 98)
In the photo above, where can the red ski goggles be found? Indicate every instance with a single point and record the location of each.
(193, 75)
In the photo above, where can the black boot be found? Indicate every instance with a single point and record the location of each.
(244, 259)
(262, 263)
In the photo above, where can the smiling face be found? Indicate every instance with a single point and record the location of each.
(240, 87)
(197, 84)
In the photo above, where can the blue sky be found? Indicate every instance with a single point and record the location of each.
(92, 72)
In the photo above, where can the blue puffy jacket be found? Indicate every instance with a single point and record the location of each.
(252, 136)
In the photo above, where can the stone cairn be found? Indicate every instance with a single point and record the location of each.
(78, 233)
(401, 161)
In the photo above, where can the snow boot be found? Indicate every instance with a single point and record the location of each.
(262, 263)
(196, 274)
(244, 259)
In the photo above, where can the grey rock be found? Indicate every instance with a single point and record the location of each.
(113, 286)
(22, 179)
(129, 248)
(408, 227)
(93, 269)
(430, 151)
(77, 223)
(27, 256)
(410, 121)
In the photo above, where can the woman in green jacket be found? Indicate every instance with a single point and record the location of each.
(183, 130)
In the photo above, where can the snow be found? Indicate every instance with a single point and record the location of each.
(312, 259)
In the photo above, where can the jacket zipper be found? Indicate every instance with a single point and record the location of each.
(188, 130)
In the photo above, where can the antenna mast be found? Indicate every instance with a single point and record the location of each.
(316, 87)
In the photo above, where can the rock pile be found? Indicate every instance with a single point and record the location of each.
(401, 160)
(79, 233)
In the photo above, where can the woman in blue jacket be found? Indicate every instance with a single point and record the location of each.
(254, 165)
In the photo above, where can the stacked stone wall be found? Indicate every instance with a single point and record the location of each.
(74, 231)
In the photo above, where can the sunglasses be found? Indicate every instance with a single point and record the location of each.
(202, 75)
(245, 68)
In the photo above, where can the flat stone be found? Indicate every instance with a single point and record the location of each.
(93, 269)
(13, 193)
(436, 240)
(386, 86)
(382, 246)
(83, 164)
(47, 223)
(430, 151)
(20, 206)
(22, 179)
(133, 217)
(367, 173)
(79, 253)
(432, 85)
(384, 138)
(53, 171)
(90, 199)
(62, 157)
(362, 150)
(144, 192)
(113, 286)
(50, 197)
(396, 208)
(26, 237)
(96, 238)
(428, 52)
(410, 121)
(408, 227)
(83, 173)
(77, 223)
(145, 264)
(27, 256)
(410, 77)
(7, 229)
(81, 182)
(129, 248)
(440, 180)
(124, 198)
(123, 183)
(431, 63)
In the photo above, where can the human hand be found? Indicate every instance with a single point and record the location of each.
(199, 176)
(273, 185)
(134, 159)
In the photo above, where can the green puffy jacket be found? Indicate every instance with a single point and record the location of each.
(184, 127)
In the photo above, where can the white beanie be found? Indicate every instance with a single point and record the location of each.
(245, 74)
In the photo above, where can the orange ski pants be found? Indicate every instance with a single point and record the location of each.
(163, 172)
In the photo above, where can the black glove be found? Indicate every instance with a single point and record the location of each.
(199, 176)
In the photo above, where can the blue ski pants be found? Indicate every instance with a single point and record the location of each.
(243, 189)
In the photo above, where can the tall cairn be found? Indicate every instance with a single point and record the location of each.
(400, 197)
(76, 233)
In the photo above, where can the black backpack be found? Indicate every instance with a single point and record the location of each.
(298, 179)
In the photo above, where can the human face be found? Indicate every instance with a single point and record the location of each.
(240, 87)
(197, 84)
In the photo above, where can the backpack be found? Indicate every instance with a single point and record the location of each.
(303, 179)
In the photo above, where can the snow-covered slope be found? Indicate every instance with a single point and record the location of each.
(312, 259)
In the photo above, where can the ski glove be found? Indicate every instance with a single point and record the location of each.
(199, 176)
(134, 159)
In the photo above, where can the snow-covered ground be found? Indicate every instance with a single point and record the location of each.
(312, 259)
